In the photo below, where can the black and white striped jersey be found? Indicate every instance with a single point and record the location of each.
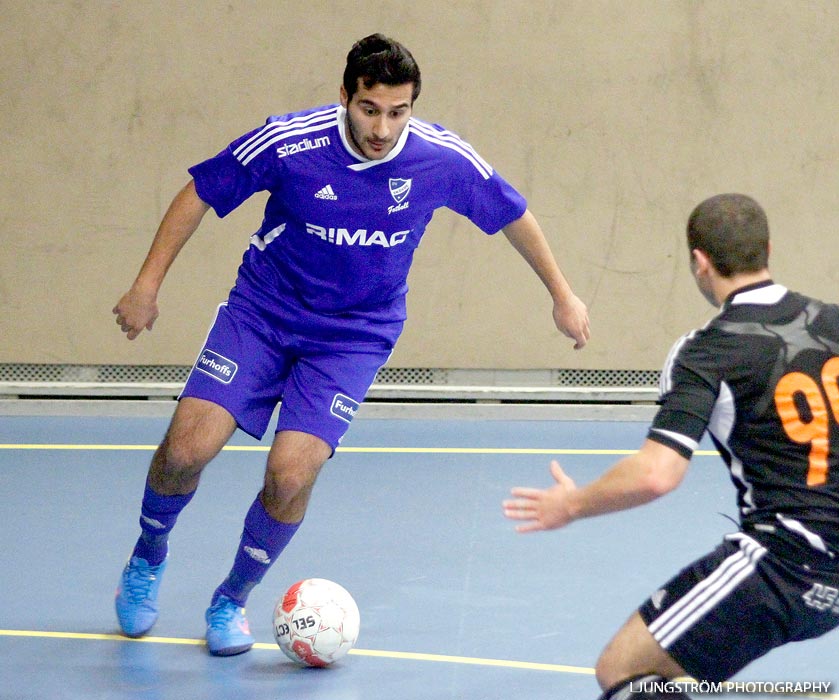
(762, 377)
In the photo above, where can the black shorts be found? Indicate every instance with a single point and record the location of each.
(739, 602)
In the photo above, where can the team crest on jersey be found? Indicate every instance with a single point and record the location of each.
(399, 190)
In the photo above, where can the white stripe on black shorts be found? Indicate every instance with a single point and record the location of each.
(734, 605)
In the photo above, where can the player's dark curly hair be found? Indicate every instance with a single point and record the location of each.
(378, 59)
(732, 230)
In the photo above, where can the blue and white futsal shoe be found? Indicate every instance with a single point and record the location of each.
(228, 632)
(136, 597)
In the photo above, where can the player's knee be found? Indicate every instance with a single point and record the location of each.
(614, 667)
(284, 484)
(176, 457)
(605, 672)
(615, 663)
(644, 687)
(177, 461)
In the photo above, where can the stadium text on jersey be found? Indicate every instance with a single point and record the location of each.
(289, 149)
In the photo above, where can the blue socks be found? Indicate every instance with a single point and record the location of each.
(157, 518)
(263, 539)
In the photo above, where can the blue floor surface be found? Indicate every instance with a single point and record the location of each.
(406, 516)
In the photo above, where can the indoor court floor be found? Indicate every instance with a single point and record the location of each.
(454, 604)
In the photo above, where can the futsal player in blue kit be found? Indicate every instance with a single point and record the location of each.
(316, 309)
(762, 377)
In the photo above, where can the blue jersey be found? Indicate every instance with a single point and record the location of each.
(339, 231)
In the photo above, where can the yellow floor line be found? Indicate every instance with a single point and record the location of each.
(440, 658)
(409, 656)
(350, 450)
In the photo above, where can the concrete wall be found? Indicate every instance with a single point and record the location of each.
(613, 118)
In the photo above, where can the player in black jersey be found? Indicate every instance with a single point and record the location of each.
(762, 377)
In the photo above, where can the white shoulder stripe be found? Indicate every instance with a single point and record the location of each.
(447, 135)
(277, 131)
(684, 440)
(294, 122)
(449, 140)
(665, 383)
(281, 137)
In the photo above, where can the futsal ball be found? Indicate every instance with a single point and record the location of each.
(316, 622)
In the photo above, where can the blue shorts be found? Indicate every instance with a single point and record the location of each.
(248, 366)
(738, 603)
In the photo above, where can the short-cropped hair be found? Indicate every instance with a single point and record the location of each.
(732, 230)
(379, 59)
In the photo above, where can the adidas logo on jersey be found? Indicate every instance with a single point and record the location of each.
(326, 193)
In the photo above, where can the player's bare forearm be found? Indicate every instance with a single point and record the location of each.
(137, 309)
(179, 223)
(633, 481)
(569, 312)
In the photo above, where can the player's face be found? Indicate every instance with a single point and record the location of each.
(376, 117)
